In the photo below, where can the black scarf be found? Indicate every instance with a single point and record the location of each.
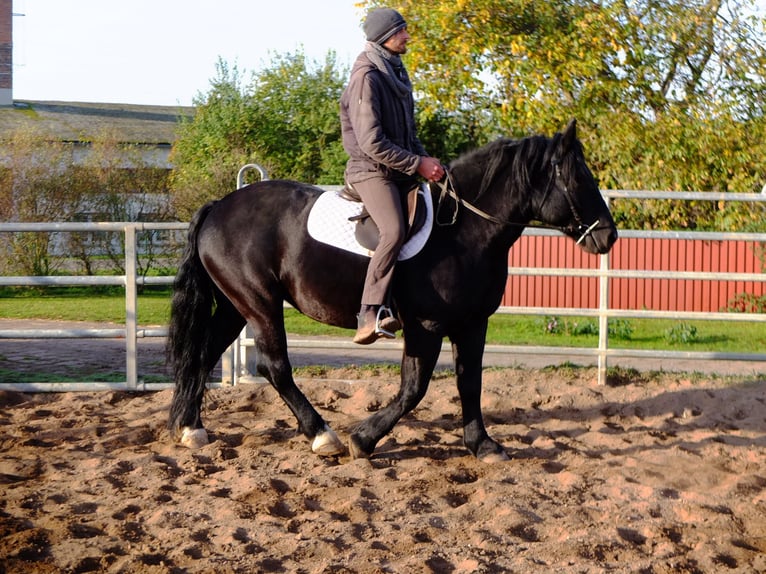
(392, 68)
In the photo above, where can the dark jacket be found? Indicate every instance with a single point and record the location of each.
(378, 127)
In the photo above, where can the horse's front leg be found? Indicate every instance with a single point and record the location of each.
(468, 352)
(421, 351)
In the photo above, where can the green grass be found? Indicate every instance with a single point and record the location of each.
(104, 304)
(75, 377)
(107, 304)
(668, 334)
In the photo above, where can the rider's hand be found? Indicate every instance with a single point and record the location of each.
(430, 168)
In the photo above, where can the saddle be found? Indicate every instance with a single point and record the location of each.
(366, 231)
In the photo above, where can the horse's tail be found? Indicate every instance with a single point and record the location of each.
(188, 345)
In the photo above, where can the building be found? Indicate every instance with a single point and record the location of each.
(6, 53)
(151, 128)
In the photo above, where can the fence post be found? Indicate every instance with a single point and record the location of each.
(131, 304)
(603, 319)
(603, 308)
(235, 357)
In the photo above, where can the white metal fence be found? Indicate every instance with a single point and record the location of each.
(234, 359)
(130, 281)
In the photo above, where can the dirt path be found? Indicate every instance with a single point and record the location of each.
(664, 473)
(667, 475)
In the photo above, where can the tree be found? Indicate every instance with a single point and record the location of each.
(669, 93)
(42, 181)
(535, 63)
(286, 119)
(213, 145)
(116, 183)
(295, 118)
(33, 189)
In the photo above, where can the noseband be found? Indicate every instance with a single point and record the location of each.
(447, 187)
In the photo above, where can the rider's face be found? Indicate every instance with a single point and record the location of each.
(398, 42)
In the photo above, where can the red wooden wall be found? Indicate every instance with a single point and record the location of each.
(634, 254)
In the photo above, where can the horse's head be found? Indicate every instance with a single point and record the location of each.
(571, 199)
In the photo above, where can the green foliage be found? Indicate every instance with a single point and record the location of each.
(681, 333)
(576, 327)
(33, 189)
(446, 136)
(584, 328)
(669, 94)
(43, 181)
(747, 303)
(286, 119)
(114, 193)
(295, 118)
(211, 147)
(676, 153)
(620, 329)
(552, 326)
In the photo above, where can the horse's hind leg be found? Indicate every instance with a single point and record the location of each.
(273, 364)
(224, 327)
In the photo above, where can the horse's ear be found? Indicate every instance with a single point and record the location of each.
(570, 135)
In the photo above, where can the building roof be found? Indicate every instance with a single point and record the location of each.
(78, 121)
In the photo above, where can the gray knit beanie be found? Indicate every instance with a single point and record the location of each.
(382, 23)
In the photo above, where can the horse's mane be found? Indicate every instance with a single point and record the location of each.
(525, 155)
(522, 157)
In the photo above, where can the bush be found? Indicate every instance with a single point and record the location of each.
(44, 182)
(681, 334)
(747, 303)
(618, 328)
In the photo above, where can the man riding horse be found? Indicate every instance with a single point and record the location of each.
(385, 157)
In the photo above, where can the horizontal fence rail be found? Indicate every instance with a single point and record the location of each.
(130, 281)
(235, 357)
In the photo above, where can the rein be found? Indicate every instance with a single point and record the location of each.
(447, 188)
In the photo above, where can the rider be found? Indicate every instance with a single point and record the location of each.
(377, 115)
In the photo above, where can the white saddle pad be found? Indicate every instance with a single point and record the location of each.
(328, 223)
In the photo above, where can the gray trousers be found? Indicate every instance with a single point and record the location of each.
(383, 199)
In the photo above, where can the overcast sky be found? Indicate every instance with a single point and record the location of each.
(164, 52)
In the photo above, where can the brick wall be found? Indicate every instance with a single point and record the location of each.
(6, 52)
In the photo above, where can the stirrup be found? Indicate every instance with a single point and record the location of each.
(384, 313)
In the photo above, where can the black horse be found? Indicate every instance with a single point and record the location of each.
(250, 252)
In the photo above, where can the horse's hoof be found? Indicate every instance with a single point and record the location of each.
(327, 443)
(493, 457)
(194, 438)
(355, 449)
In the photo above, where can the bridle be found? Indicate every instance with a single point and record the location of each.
(582, 228)
(447, 188)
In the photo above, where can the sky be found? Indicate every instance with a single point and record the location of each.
(164, 52)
